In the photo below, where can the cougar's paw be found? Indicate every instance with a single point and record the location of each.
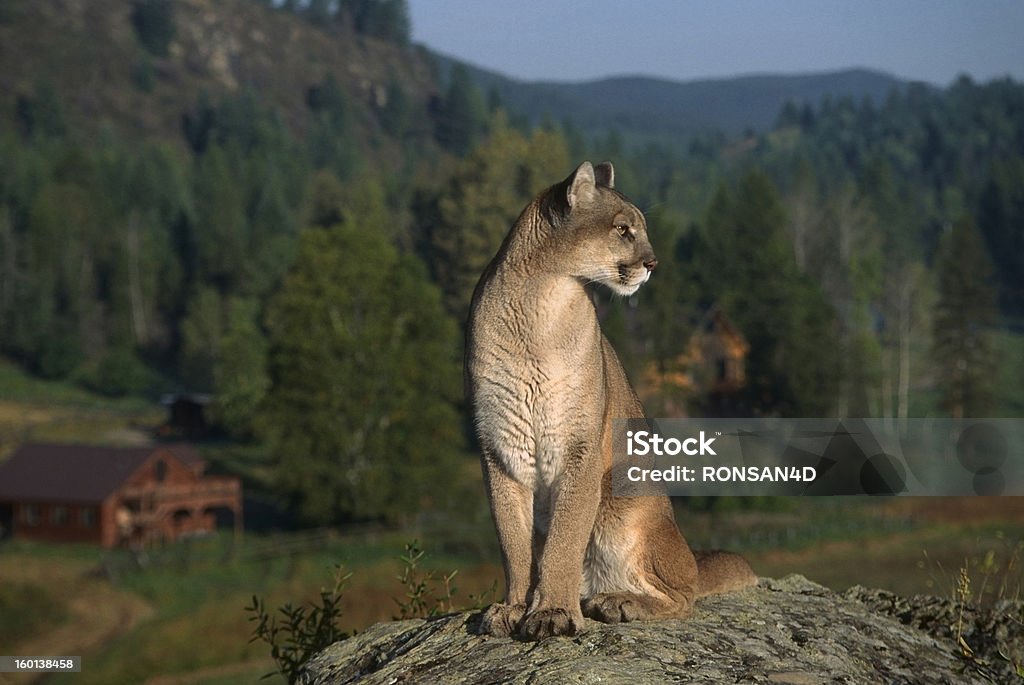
(501, 620)
(544, 623)
(614, 607)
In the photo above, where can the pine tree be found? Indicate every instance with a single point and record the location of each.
(384, 19)
(42, 114)
(964, 316)
(396, 116)
(462, 116)
(221, 228)
(1001, 220)
(154, 24)
(202, 329)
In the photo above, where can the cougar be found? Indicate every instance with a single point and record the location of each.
(545, 385)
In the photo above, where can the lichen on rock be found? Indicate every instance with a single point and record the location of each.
(789, 631)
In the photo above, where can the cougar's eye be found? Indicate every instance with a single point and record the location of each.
(622, 230)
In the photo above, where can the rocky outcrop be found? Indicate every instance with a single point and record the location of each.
(783, 631)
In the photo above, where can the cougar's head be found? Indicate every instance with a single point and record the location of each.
(605, 232)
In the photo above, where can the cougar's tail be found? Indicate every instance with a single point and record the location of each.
(719, 571)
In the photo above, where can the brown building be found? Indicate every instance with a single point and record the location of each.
(711, 369)
(113, 496)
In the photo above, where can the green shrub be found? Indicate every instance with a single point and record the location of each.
(300, 631)
(154, 24)
(120, 373)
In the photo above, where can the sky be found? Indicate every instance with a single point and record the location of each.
(926, 40)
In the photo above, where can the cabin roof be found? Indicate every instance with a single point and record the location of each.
(76, 473)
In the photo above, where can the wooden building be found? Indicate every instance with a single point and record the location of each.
(186, 416)
(113, 496)
(710, 371)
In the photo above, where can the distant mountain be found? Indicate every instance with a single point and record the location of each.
(650, 107)
(91, 56)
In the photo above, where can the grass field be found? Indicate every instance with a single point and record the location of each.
(176, 616)
(181, 619)
(40, 410)
(185, 613)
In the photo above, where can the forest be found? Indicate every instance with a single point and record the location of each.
(314, 279)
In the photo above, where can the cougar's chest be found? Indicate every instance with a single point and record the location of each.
(534, 382)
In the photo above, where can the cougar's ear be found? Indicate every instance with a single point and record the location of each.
(581, 185)
(604, 173)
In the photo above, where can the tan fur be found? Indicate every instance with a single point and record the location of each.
(545, 386)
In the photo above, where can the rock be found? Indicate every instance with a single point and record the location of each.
(788, 631)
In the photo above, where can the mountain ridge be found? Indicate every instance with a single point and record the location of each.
(224, 48)
(659, 107)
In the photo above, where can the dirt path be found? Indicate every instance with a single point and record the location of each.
(97, 612)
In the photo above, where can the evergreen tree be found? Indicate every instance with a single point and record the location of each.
(396, 116)
(964, 316)
(1001, 220)
(272, 234)
(462, 114)
(197, 125)
(41, 115)
(670, 303)
(747, 267)
(154, 24)
(327, 97)
(384, 19)
(221, 227)
(202, 329)
(331, 142)
(64, 252)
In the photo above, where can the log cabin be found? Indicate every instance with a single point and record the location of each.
(113, 496)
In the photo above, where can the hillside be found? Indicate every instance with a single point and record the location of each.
(657, 108)
(90, 53)
(103, 74)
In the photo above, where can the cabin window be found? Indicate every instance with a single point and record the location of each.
(161, 471)
(87, 517)
(30, 514)
(59, 516)
(721, 368)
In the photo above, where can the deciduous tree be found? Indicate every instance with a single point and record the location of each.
(364, 376)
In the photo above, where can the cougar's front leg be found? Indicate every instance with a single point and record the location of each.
(555, 604)
(512, 509)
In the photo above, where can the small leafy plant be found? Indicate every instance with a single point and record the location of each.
(426, 594)
(296, 633)
(300, 631)
(1002, 576)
